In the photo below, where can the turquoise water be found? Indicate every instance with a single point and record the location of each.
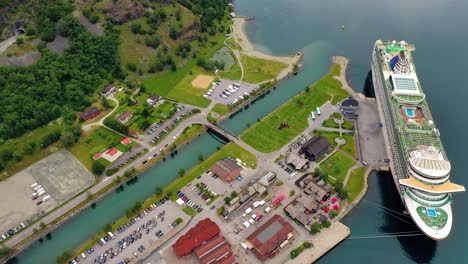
(410, 112)
(438, 29)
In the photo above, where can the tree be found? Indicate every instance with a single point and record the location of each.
(292, 192)
(108, 227)
(145, 113)
(64, 257)
(200, 157)
(177, 14)
(136, 28)
(338, 186)
(67, 138)
(181, 172)
(173, 32)
(158, 191)
(19, 41)
(343, 194)
(323, 175)
(98, 168)
(42, 225)
(6, 154)
(234, 194)
(314, 228)
(105, 103)
(4, 251)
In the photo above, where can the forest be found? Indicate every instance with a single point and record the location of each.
(57, 85)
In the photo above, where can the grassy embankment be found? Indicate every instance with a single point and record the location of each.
(355, 183)
(265, 135)
(337, 165)
(258, 70)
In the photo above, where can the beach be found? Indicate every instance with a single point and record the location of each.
(238, 26)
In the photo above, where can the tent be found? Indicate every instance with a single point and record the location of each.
(326, 209)
(180, 201)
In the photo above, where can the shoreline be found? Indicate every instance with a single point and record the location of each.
(240, 36)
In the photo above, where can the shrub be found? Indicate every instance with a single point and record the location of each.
(98, 168)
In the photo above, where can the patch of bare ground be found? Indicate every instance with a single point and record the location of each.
(59, 44)
(25, 60)
(95, 29)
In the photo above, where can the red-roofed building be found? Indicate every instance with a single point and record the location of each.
(269, 238)
(90, 113)
(111, 152)
(226, 169)
(97, 156)
(126, 141)
(203, 231)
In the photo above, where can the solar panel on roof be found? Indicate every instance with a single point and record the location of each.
(405, 84)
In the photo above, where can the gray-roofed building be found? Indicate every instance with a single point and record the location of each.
(268, 178)
(298, 161)
(154, 100)
(108, 90)
(315, 147)
(349, 108)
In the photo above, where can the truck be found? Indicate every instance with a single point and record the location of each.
(45, 198)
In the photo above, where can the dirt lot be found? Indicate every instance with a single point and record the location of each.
(202, 81)
(61, 175)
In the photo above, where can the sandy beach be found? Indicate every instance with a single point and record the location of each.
(247, 47)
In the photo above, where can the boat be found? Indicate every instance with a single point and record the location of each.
(418, 161)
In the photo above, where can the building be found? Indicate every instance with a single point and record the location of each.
(349, 108)
(268, 178)
(125, 141)
(215, 250)
(108, 90)
(298, 161)
(302, 210)
(320, 190)
(315, 147)
(123, 118)
(269, 238)
(197, 235)
(226, 169)
(154, 100)
(110, 154)
(90, 113)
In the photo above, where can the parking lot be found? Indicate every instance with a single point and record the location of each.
(229, 92)
(157, 130)
(137, 237)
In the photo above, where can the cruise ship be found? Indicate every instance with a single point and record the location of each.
(418, 162)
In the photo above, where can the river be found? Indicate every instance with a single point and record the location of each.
(315, 27)
(438, 29)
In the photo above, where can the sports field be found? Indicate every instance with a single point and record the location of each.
(202, 81)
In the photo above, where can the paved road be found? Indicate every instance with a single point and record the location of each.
(8, 42)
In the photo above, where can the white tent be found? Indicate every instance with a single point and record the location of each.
(180, 201)
(246, 224)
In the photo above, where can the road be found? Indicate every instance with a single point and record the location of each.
(8, 42)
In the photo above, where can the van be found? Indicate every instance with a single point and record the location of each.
(41, 193)
(83, 255)
(34, 185)
(46, 198)
(103, 241)
(243, 245)
(111, 235)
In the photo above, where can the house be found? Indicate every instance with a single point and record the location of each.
(315, 147)
(154, 100)
(269, 238)
(108, 90)
(123, 118)
(298, 161)
(268, 178)
(111, 155)
(312, 188)
(125, 141)
(90, 113)
(226, 169)
(349, 108)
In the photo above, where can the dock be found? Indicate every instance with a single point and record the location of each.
(326, 240)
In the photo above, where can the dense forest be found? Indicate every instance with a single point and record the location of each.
(57, 85)
(208, 10)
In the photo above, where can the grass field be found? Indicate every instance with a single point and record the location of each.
(337, 165)
(94, 142)
(189, 210)
(229, 150)
(257, 70)
(349, 147)
(265, 136)
(220, 109)
(224, 54)
(20, 144)
(348, 124)
(355, 183)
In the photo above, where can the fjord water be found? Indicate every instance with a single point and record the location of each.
(438, 29)
(314, 27)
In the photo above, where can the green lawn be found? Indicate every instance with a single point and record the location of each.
(189, 132)
(234, 73)
(92, 143)
(337, 165)
(229, 150)
(19, 144)
(257, 70)
(189, 210)
(355, 183)
(221, 109)
(183, 91)
(265, 135)
(349, 147)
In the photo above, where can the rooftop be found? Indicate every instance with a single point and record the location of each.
(203, 231)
